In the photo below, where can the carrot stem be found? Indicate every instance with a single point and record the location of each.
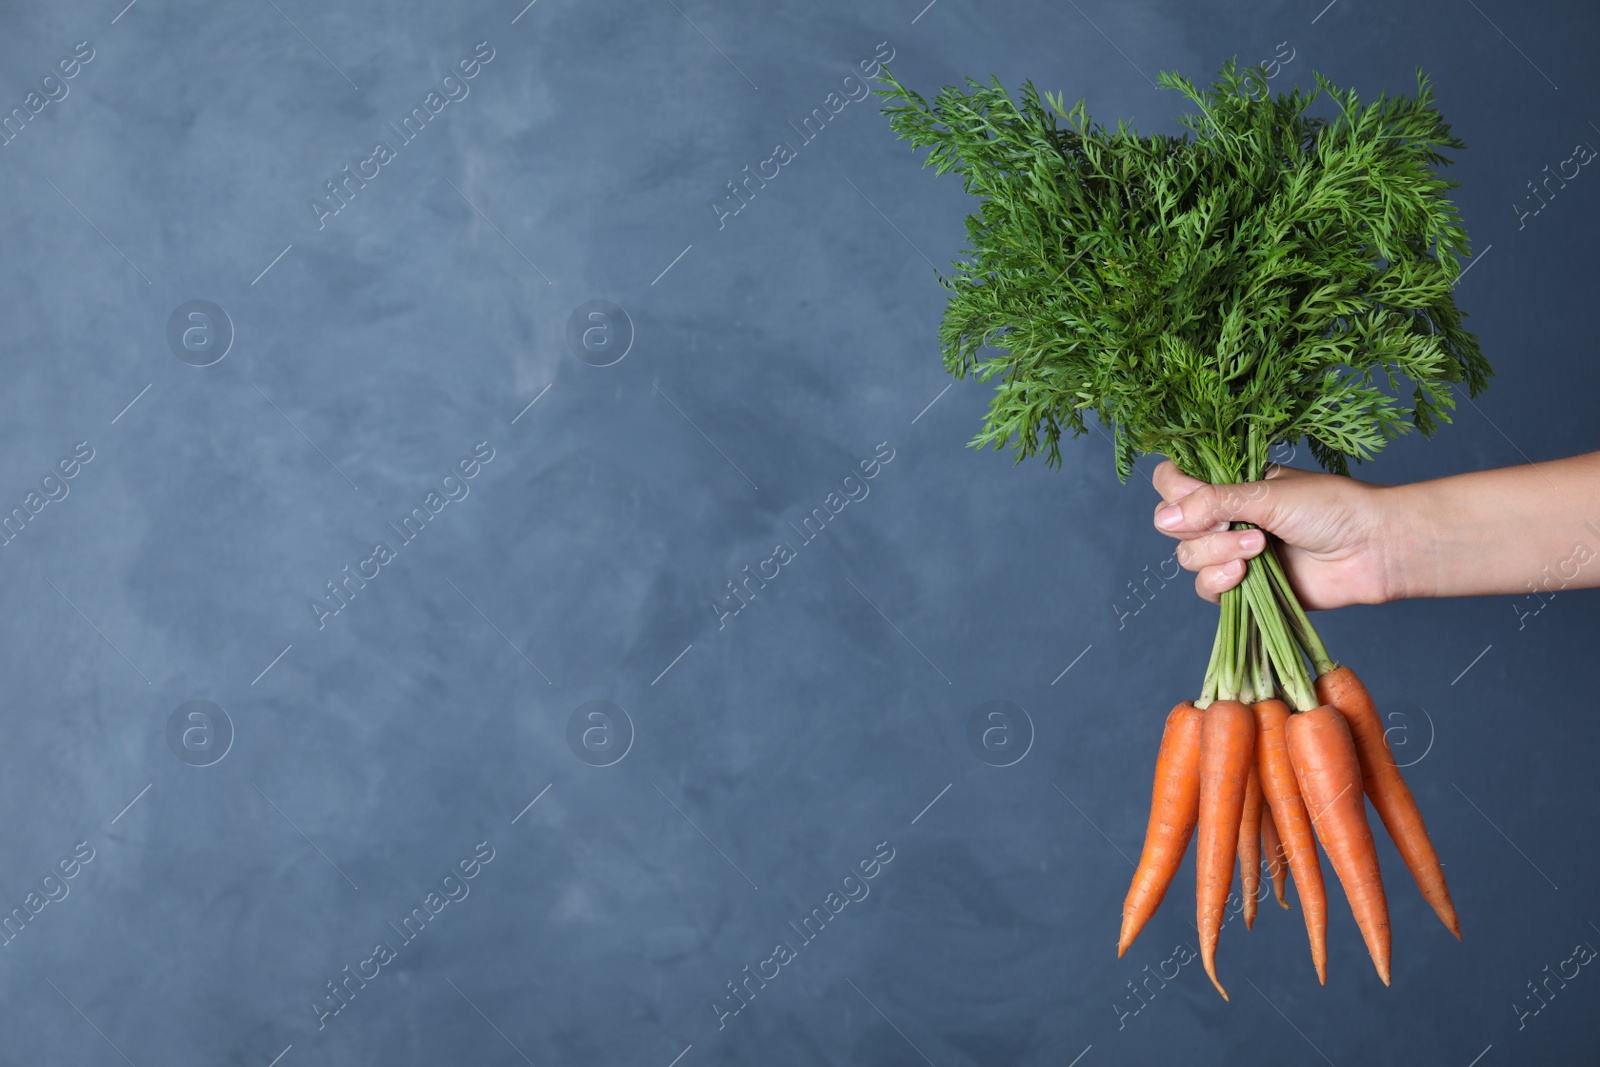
(1295, 615)
(1241, 650)
(1223, 676)
(1208, 685)
(1260, 670)
(1281, 646)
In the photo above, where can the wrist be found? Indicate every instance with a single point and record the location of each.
(1407, 531)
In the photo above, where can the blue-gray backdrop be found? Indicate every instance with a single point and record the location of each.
(391, 393)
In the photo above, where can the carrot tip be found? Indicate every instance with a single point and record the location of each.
(1211, 973)
(1284, 904)
(1249, 922)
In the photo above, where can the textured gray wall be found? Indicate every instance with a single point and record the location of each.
(239, 865)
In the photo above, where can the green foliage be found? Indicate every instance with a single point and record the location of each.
(1277, 275)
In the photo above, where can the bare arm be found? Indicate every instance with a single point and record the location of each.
(1502, 531)
(1511, 530)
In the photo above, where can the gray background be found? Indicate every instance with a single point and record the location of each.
(779, 750)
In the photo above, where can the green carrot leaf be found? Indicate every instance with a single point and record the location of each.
(1266, 276)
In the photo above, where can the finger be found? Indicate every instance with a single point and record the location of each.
(1212, 582)
(1172, 483)
(1175, 486)
(1188, 535)
(1201, 510)
(1211, 550)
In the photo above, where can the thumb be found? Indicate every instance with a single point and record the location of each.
(1253, 502)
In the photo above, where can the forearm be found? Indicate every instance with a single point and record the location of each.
(1510, 530)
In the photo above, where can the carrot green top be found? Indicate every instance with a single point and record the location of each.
(1275, 275)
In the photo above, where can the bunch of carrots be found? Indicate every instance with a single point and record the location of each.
(1267, 277)
(1251, 772)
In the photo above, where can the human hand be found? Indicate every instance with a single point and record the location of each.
(1337, 535)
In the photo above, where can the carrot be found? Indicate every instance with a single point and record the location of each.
(1277, 860)
(1174, 804)
(1329, 773)
(1293, 823)
(1381, 779)
(1250, 845)
(1227, 748)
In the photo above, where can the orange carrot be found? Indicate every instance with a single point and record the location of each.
(1250, 845)
(1277, 860)
(1292, 822)
(1381, 779)
(1329, 773)
(1227, 749)
(1174, 804)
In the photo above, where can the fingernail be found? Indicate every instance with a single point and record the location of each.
(1220, 525)
(1170, 517)
(1232, 568)
(1252, 540)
